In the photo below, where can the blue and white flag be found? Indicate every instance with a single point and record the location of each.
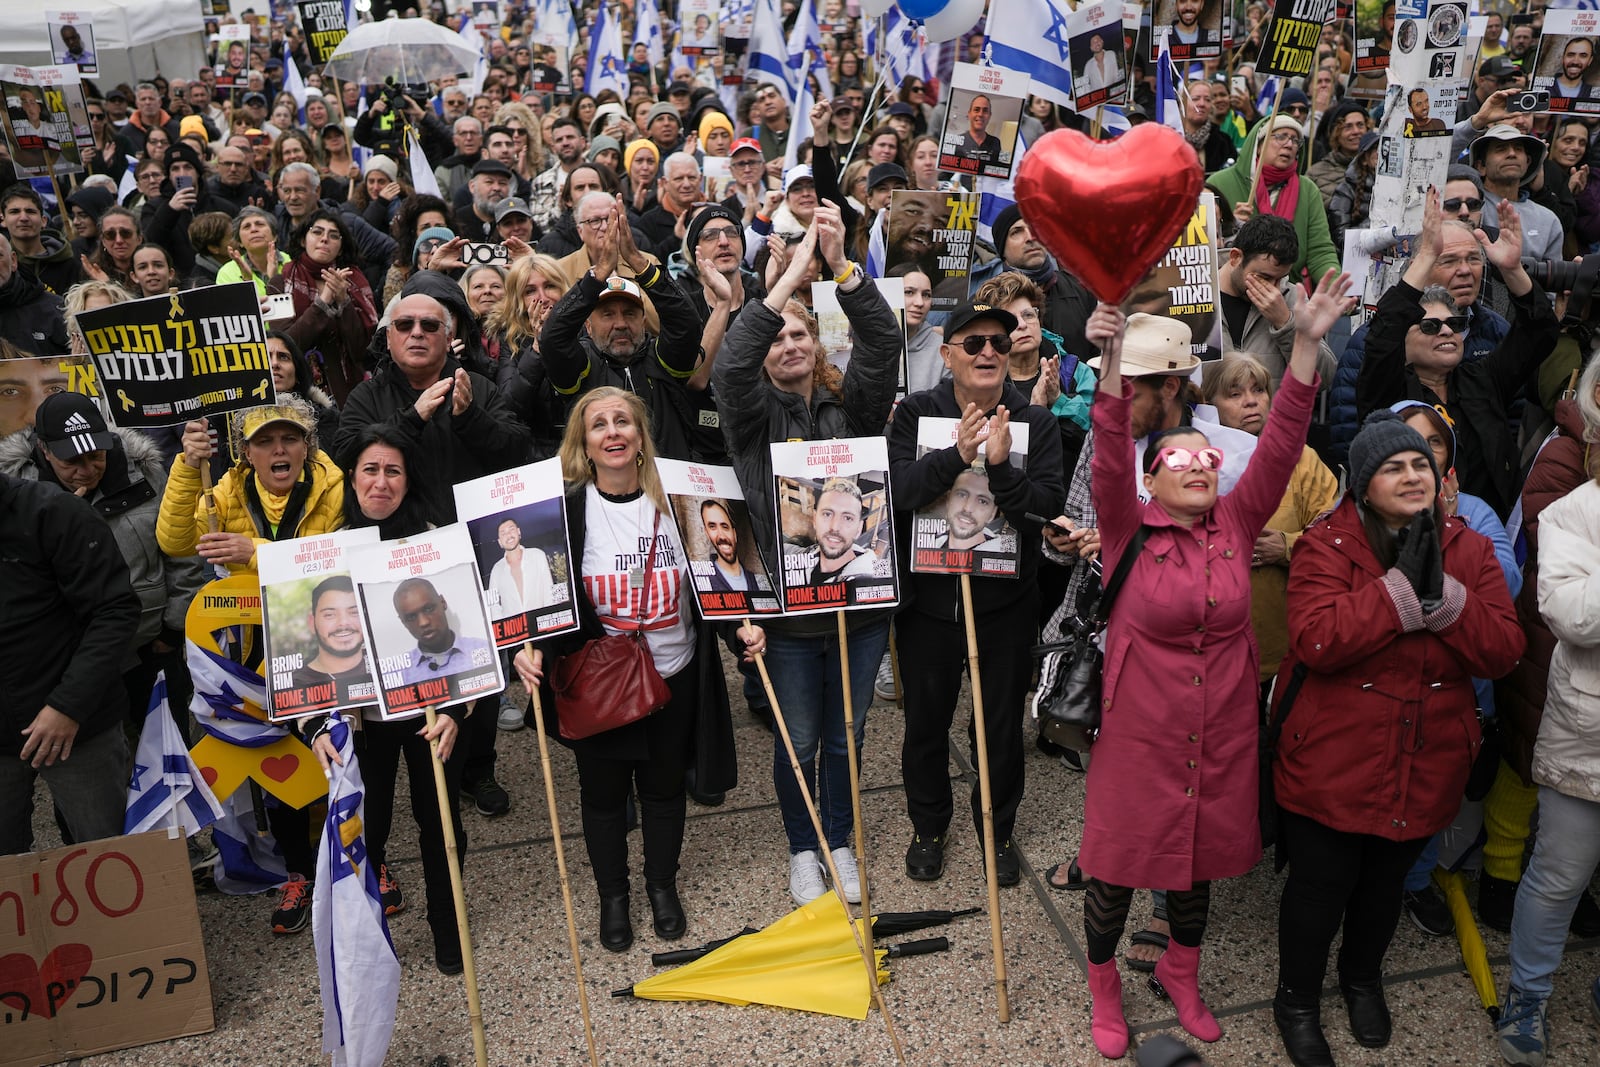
(165, 788)
(1169, 105)
(356, 963)
(423, 180)
(877, 247)
(352, 17)
(473, 83)
(768, 54)
(799, 124)
(998, 193)
(293, 84)
(1032, 39)
(647, 30)
(896, 43)
(1268, 95)
(608, 67)
(805, 52)
(248, 857)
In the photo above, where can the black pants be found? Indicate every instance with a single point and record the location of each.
(140, 681)
(1335, 879)
(938, 650)
(478, 735)
(604, 784)
(380, 748)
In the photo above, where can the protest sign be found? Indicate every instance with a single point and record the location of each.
(1192, 29)
(833, 326)
(166, 360)
(426, 621)
(25, 382)
(517, 520)
(729, 576)
(835, 524)
(1097, 47)
(63, 91)
(486, 14)
(71, 36)
(963, 531)
(1374, 41)
(1566, 64)
(1428, 51)
(101, 949)
(980, 126)
(233, 56)
(323, 24)
(700, 32)
(1184, 284)
(934, 230)
(38, 132)
(316, 658)
(1290, 47)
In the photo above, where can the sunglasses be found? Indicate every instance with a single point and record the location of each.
(1432, 327)
(117, 235)
(973, 343)
(1181, 459)
(408, 324)
(1473, 203)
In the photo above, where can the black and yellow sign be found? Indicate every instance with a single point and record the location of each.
(1290, 49)
(324, 26)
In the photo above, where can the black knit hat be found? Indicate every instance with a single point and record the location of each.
(1002, 226)
(691, 233)
(1384, 434)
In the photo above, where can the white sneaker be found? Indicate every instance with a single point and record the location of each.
(849, 873)
(805, 877)
(883, 686)
(510, 717)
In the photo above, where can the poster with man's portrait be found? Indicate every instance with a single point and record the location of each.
(980, 126)
(71, 35)
(426, 621)
(963, 531)
(1099, 61)
(835, 524)
(833, 325)
(26, 381)
(1183, 285)
(32, 136)
(518, 523)
(233, 56)
(1192, 29)
(1566, 64)
(315, 650)
(934, 230)
(728, 575)
(1374, 43)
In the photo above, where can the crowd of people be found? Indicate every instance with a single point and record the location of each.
(1375, 549)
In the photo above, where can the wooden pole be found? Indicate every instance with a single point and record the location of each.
(1266, 131)
(452, 856)
(855, 783)
(868, 957)
(561, 865)
(986, 801)
(894, 670)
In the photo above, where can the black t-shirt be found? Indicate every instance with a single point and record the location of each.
(1235, 310)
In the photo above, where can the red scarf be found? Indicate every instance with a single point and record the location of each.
(1289, 178)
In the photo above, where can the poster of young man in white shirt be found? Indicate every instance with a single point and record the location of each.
(835, 524)
(964, 531)
(1566, 62)
(518, 524)
(700, 32)
(730, 578)
(980, 125)
(425, 620)
(1099, 65)
(311, 625)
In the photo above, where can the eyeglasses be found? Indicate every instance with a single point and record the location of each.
(1433, 327)
(718, 233)
(408, 324)
(1181, 459)
(755, 161)
(1027, 315)
(1473, 203)
(430, 244)
(598, 220)
(973, 343)
(1287, 138)
(1297, 109)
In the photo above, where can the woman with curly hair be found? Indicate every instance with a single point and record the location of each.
(419, 211)
(89, 296)
(292, 146)
(532, 158)
(333, 306)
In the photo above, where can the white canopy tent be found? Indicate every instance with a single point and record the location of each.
(133, 39)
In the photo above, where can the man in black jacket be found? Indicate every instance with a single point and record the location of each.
(979, 396)
(31, 317)
(67, 619)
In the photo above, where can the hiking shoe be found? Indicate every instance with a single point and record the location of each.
(805, 878)
(1523, 1030)
(883, 686)
(294, 906)
(925, 858)
(389, 892)
(849, 874)
(487, 796)
(1497, 901)
(511, 717)
(1429, 913)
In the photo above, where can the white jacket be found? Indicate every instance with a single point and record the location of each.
(1566, 756)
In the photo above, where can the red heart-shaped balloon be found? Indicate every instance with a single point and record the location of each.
(1109, 210)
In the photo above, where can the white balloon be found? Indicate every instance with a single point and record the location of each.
(874, 8)
(957, 18)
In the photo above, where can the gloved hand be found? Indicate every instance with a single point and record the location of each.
(1420, 561)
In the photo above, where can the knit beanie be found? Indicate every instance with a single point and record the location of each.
(663, 109)
(1002, 226)
(601, 144)
(383, 165)
(1384, 434)
(691, 234)
(634, 148)
(1407, 408)
(713, 120)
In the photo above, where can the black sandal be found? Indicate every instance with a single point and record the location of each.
(1075, 879)
(1146, 937)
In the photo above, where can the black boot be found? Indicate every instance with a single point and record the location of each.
(1369, 1012)
(616, 929)
(666, 910)
(1299, 1022)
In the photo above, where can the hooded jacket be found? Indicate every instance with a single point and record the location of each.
(32, 318)
(1310, 219)
(1565, 758)
(57, 268)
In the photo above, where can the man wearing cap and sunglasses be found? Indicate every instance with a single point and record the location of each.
(980, 395)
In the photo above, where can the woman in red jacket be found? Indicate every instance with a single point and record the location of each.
(1393, 609)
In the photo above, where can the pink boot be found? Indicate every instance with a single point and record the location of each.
(1178, 976)
(1106, 1021)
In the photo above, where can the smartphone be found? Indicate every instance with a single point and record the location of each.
(1058, 530)
(1529, 101)
(184, 181)
(483, 253)
(279, 307)
(1239, 85)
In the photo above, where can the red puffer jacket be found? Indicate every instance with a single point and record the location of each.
(1384, 730)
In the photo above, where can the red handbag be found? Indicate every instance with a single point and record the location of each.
(611, 681)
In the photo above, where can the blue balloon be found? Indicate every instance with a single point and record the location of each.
(922, 9)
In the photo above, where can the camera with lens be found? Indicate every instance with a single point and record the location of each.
(475, 254)
(1576, 279)
(392, 91)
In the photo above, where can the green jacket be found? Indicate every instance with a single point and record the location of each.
(1232, 184)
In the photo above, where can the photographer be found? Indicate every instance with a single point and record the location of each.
(382, 126)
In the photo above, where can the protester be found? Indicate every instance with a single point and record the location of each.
(333, 306)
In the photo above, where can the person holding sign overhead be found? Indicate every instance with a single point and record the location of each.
(984, 402)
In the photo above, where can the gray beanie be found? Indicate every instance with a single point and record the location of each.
(1462, 172)
(1384, 434)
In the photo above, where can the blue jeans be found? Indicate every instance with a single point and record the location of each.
(810, 689)
(1564, 859)
(1420, 876)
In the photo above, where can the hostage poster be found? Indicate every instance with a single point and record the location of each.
(980, 126)
(725, 565)
(935, 231)
(324, 26)
(964, 531)
(835, 524)
(1565, 66)
(425, 620)
(316, 652)
(1099, 56)
(1184, 284)
(517, 520)
(38, 129)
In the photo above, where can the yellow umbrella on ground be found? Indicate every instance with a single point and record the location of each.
(808, 960)
(1473, 953)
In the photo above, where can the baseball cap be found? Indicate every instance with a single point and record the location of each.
(743, 143)
(70, 425)
(511, 205)
(1498, 67)
(801, 173)
(491, 166)
(257, 419)
(884, 172)
(258, 99)
(679, 87)
(618, 286)
(901, 108)
(963, 317)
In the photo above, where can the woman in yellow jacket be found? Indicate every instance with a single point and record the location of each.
(284, 487)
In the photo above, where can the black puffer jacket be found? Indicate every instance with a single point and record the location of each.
(32, 317)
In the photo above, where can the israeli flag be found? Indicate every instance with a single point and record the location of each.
(799, 124)
(1268, 96)
(166, 788)
(351, 17)
(1032, 39)
(608, 68)
(1169, 106)
(423, 180)
(998, 193)
(647, 30)
(293, 84)
(805, 53)
(898, 47)
(877, 246)
(768, 54)
(356, 963)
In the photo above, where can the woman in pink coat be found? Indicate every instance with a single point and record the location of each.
(1172, 790)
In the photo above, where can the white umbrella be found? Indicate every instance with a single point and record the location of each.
(411, 51)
